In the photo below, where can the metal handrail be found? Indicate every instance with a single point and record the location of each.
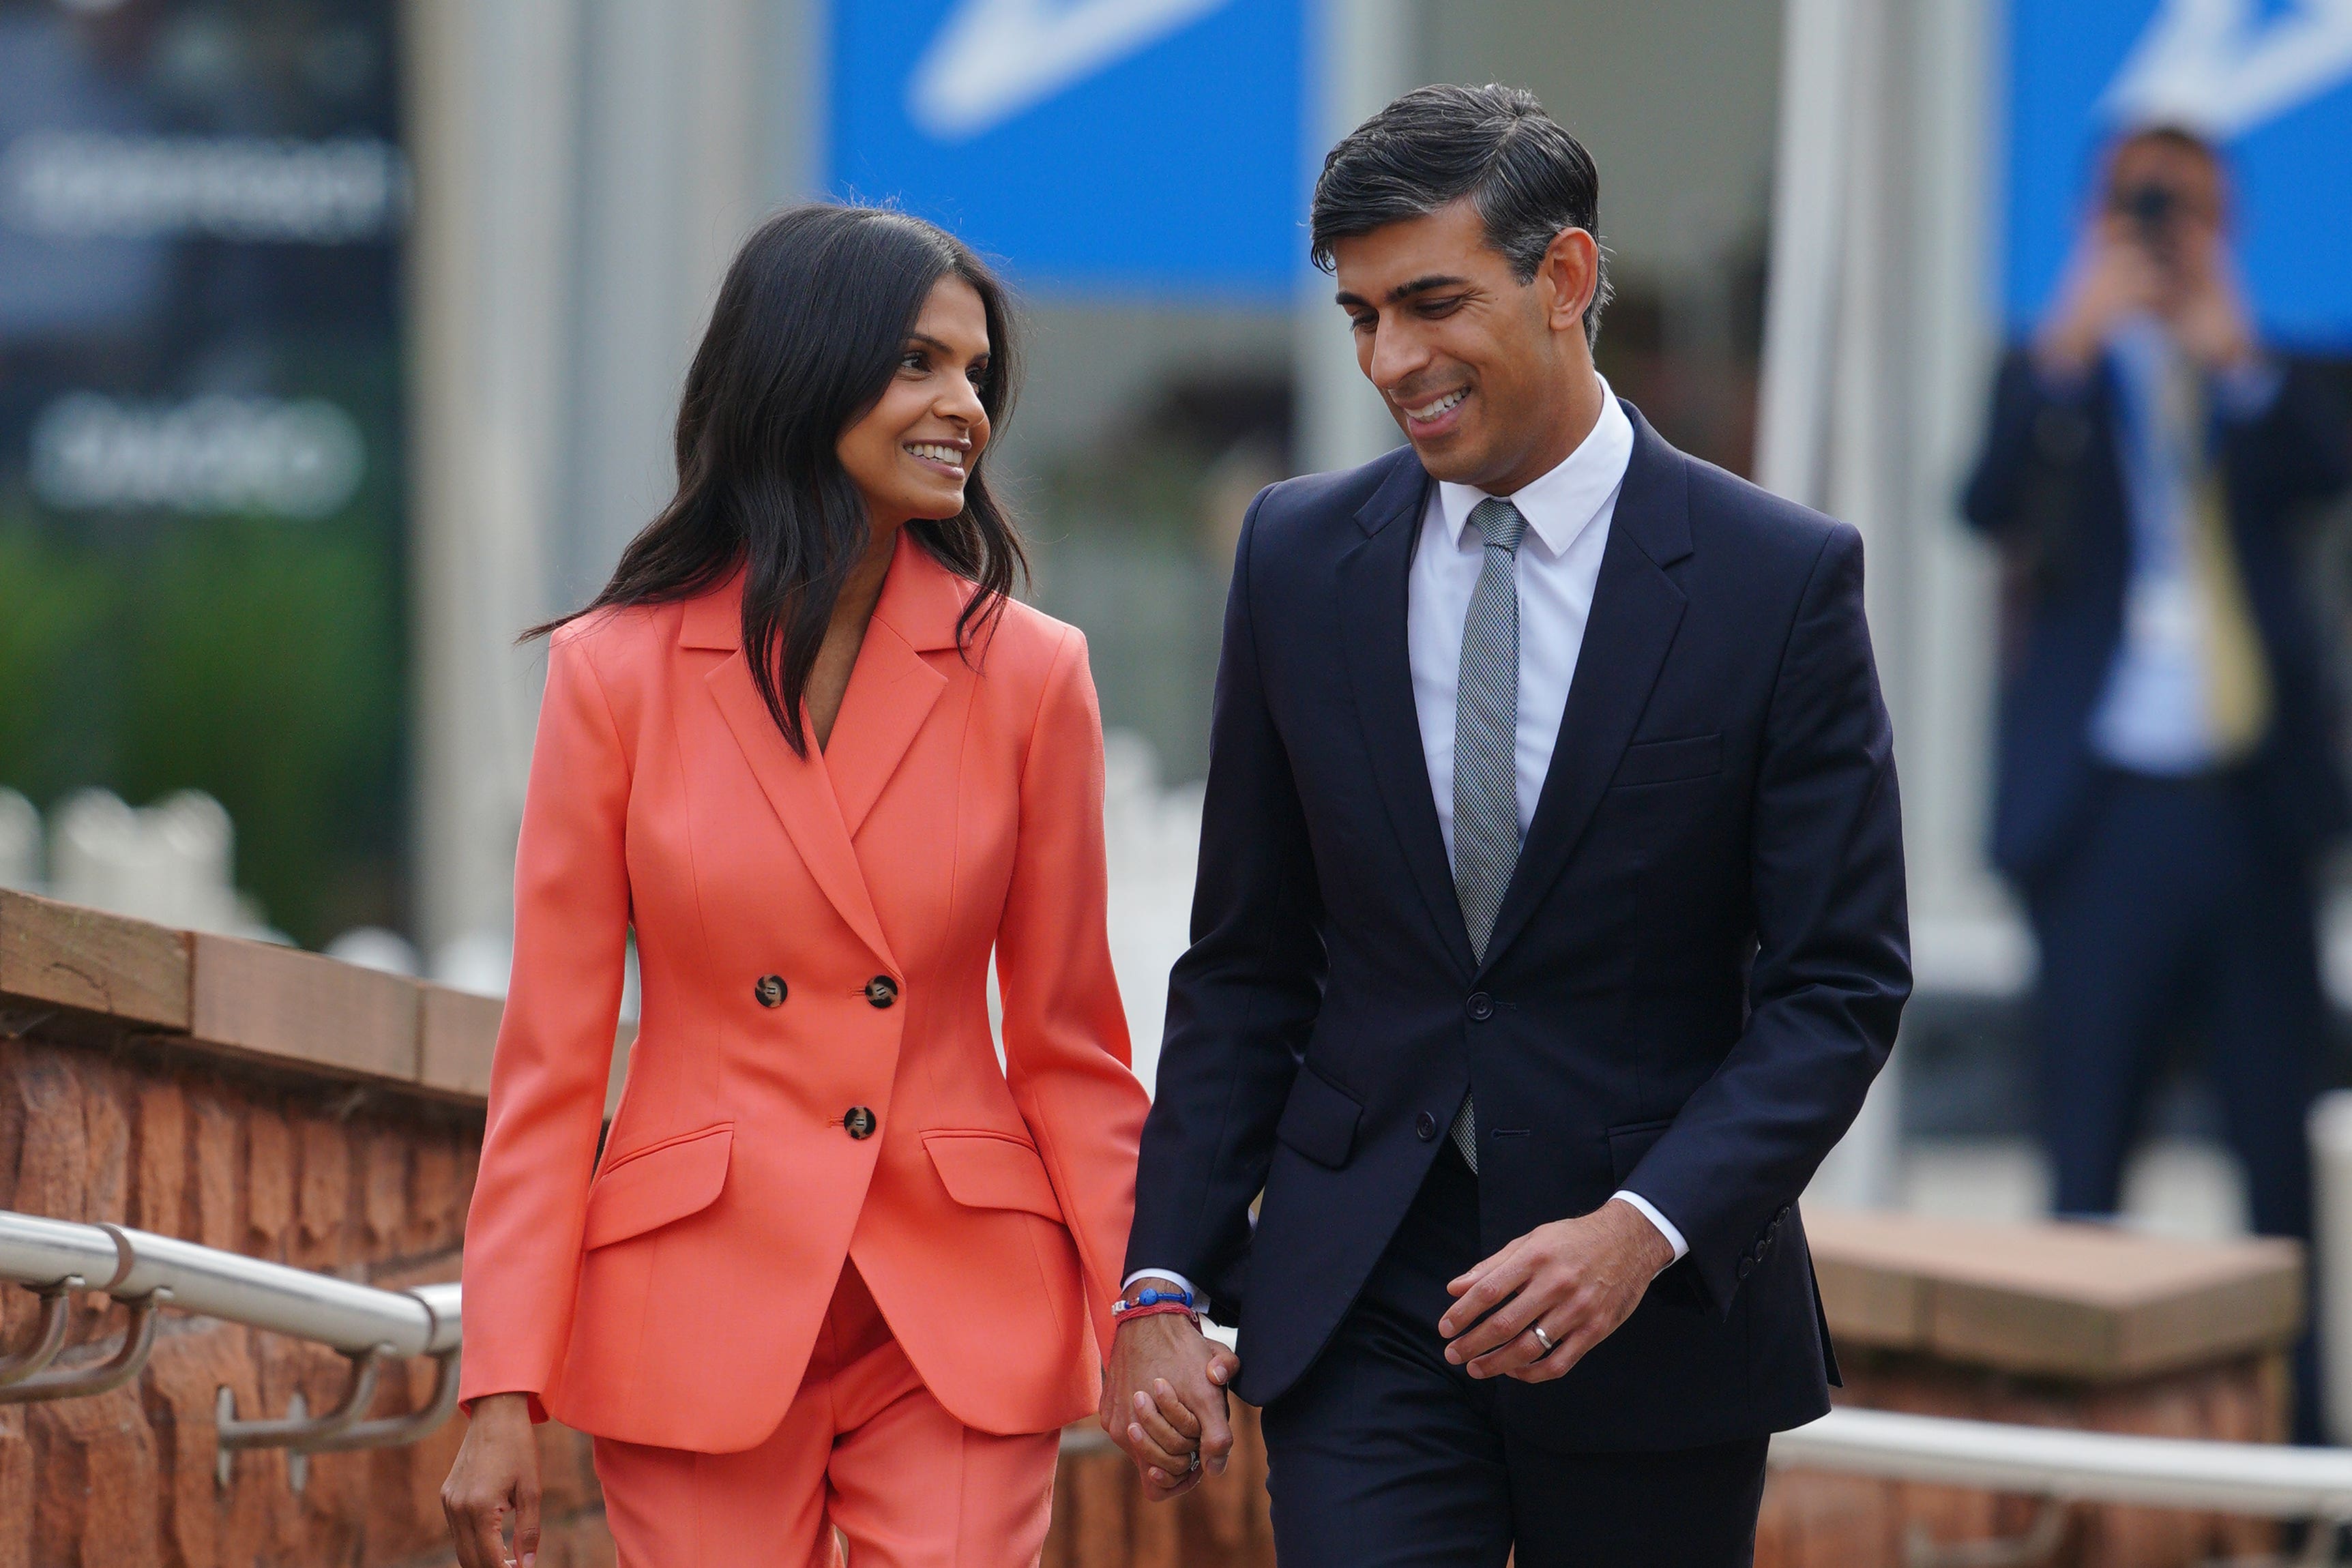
(2262, 1480)
(56, 1258)
(129, 1360)
(367, 1324)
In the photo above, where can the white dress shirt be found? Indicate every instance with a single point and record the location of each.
(1568, 512)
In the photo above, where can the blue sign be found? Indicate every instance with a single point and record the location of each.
(2270, 81)
(1095, 147)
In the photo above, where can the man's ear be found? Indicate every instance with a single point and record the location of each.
(1571, 270)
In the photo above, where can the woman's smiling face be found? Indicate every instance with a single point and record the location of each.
(912, 452)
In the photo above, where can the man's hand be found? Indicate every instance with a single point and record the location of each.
(1576, 1278)
(496, 1472)
(2111, 277)
(1164, 1402)
(2211, 319)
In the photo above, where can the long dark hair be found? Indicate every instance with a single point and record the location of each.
(807, 331)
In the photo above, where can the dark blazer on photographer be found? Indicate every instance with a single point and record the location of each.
(2050, 488)
(1697, 969)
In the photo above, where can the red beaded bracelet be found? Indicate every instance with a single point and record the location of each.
(1157, 1309)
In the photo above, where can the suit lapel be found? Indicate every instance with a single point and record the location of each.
(1636, 610)
(803, 799)
(1374, 589)
(822, 800)
(892, 689)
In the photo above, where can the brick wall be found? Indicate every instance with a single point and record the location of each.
(319, 1174)
(280, 1105)
(1102, 1520)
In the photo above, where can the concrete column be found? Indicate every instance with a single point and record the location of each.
(1951, 608)
(1808, 214)
(1363, 54)
(585, 170)
(492, 112)
(1876, 346)
(672, 163)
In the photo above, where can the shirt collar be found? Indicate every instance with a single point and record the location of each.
(1560, 506)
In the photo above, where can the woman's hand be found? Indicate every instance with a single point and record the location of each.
(1164, 1403)
(497, 1469)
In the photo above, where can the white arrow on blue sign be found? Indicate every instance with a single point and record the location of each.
(2269, 80)
(1094, 146)
(992, 58)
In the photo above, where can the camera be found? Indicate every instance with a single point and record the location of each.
(2152, 207)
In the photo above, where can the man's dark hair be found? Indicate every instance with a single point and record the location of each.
(1526, 175)
(2166, 133)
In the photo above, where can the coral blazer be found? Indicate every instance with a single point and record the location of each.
(813, 1077)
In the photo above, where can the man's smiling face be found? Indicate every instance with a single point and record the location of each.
(1476, 367)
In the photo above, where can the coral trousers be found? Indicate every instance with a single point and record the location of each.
(864, 1450)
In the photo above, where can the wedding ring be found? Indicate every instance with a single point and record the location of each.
(1542, 1338)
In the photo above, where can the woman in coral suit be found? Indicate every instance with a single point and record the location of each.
(833, 1266)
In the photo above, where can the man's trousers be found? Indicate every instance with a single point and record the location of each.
(1385, 1455)
(2176, 903)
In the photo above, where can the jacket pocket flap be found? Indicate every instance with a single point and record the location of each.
(654, 1186)
(1668, 761)
(1320, 1120)
(1628, 1143)
(987, 1170)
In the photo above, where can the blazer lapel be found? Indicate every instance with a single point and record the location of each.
(892, 688)
(797, 786)
(1373, 588)
(1636, 610)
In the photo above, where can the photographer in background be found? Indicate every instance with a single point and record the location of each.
(2168, 774)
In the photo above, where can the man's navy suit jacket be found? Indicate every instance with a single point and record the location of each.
(1697, 969)
(2049, 487)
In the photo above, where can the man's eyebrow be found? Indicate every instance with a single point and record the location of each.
(1404, 291)
(1424, 285)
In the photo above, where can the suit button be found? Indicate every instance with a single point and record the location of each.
(1745, 1269)
(881, 990)
(859, 1122)
(1481, 1006)
(1426, 1125)
(770, 991)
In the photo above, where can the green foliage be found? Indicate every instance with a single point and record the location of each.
(258, 661)
(51, 606)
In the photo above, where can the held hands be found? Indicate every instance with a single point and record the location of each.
(497, 1469)
(1576, 1278)
(1164, 1403)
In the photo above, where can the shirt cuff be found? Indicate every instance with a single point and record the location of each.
(1200, 1302)
(1665, 1227)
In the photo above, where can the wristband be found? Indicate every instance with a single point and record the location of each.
(1167, 1308)
(1151, 1296)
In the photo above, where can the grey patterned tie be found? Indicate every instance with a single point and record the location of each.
(1485, 747)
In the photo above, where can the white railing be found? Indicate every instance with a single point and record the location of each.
(56, 1259)
(2263, 1480)
(2060, 1466)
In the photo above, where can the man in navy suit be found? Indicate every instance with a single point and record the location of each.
(2168, 754)
(1549, 929)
